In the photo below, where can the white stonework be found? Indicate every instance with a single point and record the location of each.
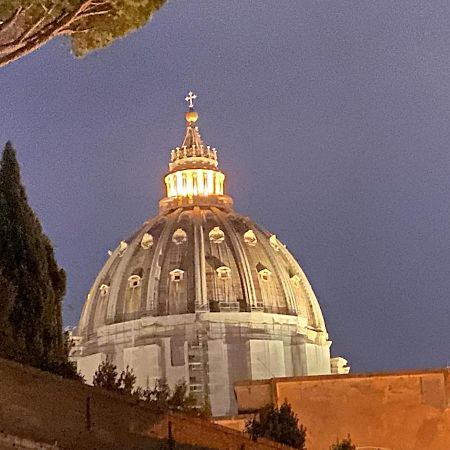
(208, 350)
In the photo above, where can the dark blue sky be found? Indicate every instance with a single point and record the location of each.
(332, 121)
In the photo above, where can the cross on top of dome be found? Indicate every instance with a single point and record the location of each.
(191, 115)
(190, 99)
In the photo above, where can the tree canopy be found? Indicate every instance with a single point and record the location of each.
(107, 377)
(26, 25)
(278, 424)
(162, 398)
(32, 285)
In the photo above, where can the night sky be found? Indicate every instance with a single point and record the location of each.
(332, 123)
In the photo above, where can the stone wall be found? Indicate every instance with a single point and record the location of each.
(393, 411)
(42, 408)
(10, 442)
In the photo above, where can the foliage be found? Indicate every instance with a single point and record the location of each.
(7, 298)
(107, 377)
(64, 366)
(34, 284)
(160, 398)
(205, 411)
(26, 25)
(345, 444)
(126, 381)
(181, 399)
(278, 424)
(163, 399)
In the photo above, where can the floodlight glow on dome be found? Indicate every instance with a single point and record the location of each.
(193, 168)
(193, 182)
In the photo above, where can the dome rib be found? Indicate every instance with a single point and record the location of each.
(241, 261)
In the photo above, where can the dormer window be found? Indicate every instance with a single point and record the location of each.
(134, 281)
(250, 238)
(265, 274)
(104, 290)
(122, 248)
(295, 279)
(176, 275)
(274, 242)
(216, 235)
(179, 237)
(147, 241)
(223, 273)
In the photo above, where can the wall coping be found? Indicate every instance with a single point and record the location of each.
(416, 372)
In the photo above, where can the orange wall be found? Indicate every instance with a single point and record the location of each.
(398, 411)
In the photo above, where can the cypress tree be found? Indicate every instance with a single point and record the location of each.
(52, 325)
(27, 261)
(7, 296)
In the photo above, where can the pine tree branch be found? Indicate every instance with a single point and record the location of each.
(92, 8)
(88, 13)
(26, 37)
(31, 30)
(10, 20)
(20, 47)
(70, 32)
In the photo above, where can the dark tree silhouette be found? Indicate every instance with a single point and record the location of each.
(31, 303)
(7, 298)
(107, 377)
(163, 399)
(278, 424)
(345, 444)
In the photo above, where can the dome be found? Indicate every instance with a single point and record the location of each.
(203, 294)
(199, 258)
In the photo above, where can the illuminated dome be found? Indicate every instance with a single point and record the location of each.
(200, 258)
(202, 293)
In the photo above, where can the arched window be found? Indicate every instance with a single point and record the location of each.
(134, 281)
(295, 279)
(216, 235)
(122, 248)
(250, 238)
(179, 236)
(133, 293)
(104, 290)
(147, 241)
(265, 274)
(274, 242)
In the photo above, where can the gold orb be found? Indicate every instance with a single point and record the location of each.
(191, 116)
